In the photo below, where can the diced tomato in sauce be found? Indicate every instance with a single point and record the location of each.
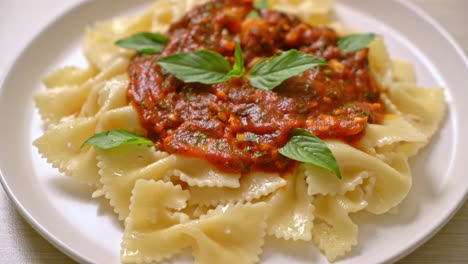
(235, 126)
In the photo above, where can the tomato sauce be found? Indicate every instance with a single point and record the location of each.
(233, 125)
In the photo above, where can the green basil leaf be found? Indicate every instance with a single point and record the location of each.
(305, 147)
(203, 66)
(238, 68)
(261, 4)
(114, 138)
(144, 42)
(253, 15)
(271, 72)
(355, 42)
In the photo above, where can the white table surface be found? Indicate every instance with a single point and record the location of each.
(19, 243)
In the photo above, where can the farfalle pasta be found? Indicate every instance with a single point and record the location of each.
(170, 201)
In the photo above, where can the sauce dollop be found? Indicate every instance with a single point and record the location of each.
(233, 125)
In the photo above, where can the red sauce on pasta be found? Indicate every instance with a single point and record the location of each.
(233, 125)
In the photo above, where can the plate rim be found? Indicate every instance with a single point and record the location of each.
(31, 220)
(72, 253)
(426, 236)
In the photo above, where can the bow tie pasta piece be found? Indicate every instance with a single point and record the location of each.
(60, 102)
(61, 144)
(106, 96)
(380, 63)
(163, 14)
(156, 230)
(403, 72)
(57, 103)
(199, 172)
(166, 12)
(380, 197)
(254, 186)
(151, 229)
(316, 12)
(122, 166)
(424, 108)
(322, 181)
(194, 211)
(396, 134)
(125, 118)
(334, 232)
(394, 129)
(392, 180)
(99, 47)
(69, 76)
(291, 210)
(397, 131)
(231, 234)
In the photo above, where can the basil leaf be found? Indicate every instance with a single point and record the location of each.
(114, 138)
(261, 4)
(269, 73)
(144, 42)
(355, 42)
(305, 147)
(203, 66)
(238, 68)
(253, 15)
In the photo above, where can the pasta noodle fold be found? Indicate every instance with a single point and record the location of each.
(391, 183)
(198, 172)
(99, 46)
(334, 232)
(423, 108)
(254, 186)
(60, 102)
(121, 167)
(291, 210)
(321, 181)
(314, 12)
(61, 147)
(69, 76)
(228, 234)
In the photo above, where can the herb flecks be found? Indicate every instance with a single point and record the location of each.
(251, 137)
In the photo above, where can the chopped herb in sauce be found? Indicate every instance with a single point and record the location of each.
(251, 137)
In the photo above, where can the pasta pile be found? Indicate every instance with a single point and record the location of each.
(171, 202)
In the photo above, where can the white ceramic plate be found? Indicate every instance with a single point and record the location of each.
(87, 230)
